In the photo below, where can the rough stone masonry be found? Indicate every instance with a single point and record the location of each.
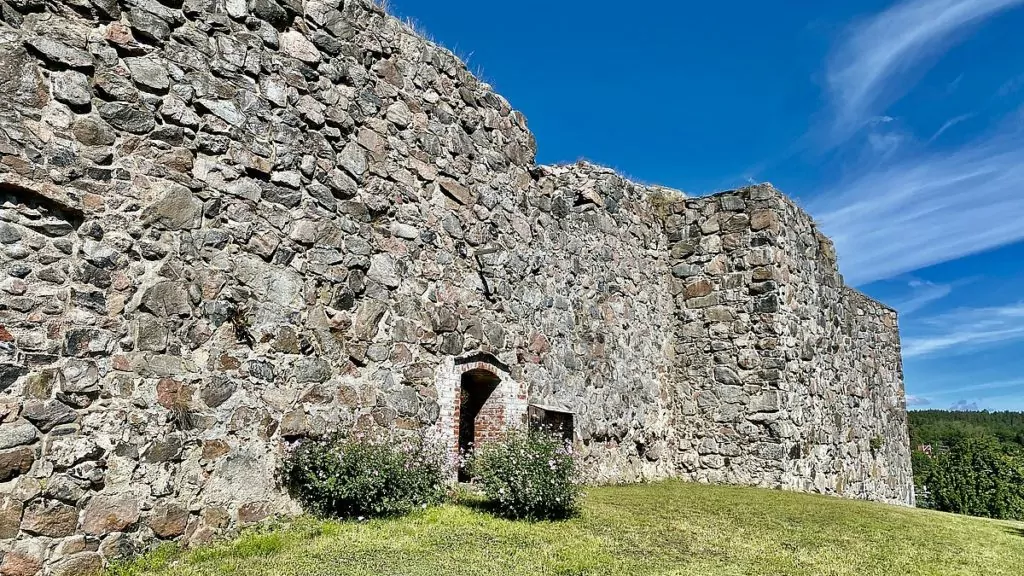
(227, 224)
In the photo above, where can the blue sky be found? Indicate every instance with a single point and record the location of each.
(898, 125)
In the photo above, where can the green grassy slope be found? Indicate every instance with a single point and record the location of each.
(665, 528)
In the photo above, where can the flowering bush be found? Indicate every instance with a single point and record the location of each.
(530, 475)
(358, 476)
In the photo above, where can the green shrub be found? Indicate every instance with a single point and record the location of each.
(358, 476)
(531, 475)
(876, 444)
(975, 476)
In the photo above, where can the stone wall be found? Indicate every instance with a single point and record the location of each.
(783, 376)
(227, 224)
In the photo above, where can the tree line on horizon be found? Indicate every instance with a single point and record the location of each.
(969, 462)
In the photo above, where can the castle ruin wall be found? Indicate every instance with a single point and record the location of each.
(228, 225)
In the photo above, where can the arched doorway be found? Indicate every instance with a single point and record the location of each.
(478, 399)
(481, 413)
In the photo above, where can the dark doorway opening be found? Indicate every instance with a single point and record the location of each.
(480, 417)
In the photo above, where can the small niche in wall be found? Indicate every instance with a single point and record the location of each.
(45, 211)
(559, 422)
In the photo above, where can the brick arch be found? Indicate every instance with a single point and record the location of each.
(500, 399)
(481, 361)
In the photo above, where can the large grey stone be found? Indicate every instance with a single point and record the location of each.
(308, 370)
(294, 424)
(149, 73)
(178, 209)
(727, 376)
(383, 269)
(9, 374)
(114, 84)
(60, 54)
(217, 391)
(93, 131)
(71, 87)
(151, 334)
(10, 517)
(297, 45)
(66, 451)
(226, 110)
(165, 449)
(165, 299)
(17, 433)
(21, 81)
(88, 342)
(270, 11)
(399, 114)
(9, 233)
(47, 414)
(457, 191)
(78, 564)
(148, 26)
(168, 520)
(368, 316)
(132, 118)
(353, 159)
(62, 487)
(405, 400)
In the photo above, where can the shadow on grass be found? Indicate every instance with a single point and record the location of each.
(481, 504)
(477, 504)
(1016, 531)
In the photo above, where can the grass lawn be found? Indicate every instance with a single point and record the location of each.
(664, 528)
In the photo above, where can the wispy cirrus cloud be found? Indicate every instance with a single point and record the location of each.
(924, 293)
(992, 395)
(1013, 384)
(925, 209)
(965, 330)
(1010, 86)
(949, 124)
(881, 57)
(905, 207)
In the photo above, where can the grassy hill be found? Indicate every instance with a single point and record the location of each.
(669, 528)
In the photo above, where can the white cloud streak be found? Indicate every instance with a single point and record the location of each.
(965, 330)
(949, 124)
(875, 64)
(1014, 384)
(924, 294)
(907, 211)
(927, 209)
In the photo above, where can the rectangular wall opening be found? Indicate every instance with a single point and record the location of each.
(558, 422)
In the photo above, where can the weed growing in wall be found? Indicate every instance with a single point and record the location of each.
(877, 442)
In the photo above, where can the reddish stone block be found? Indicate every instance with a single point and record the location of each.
(50, 518)
(169, 520)
(108, 513)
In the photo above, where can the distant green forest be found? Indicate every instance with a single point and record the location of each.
(969, 462)
(943, 427)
